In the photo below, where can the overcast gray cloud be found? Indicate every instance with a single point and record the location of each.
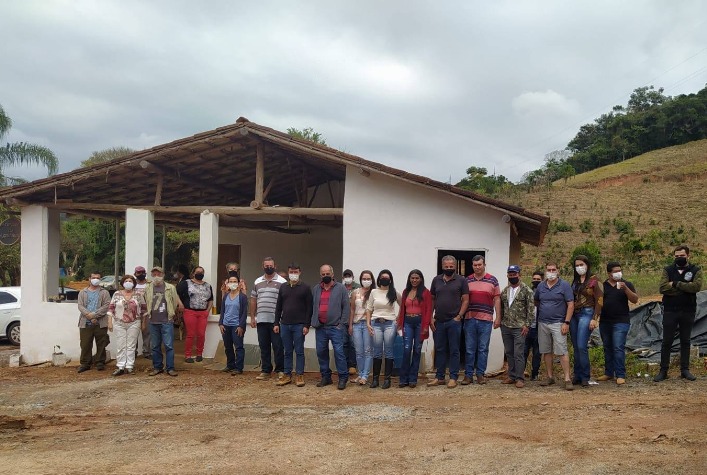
(430, 87)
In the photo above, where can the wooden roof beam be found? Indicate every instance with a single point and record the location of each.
(224, 210)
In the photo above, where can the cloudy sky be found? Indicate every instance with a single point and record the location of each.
(429, 87)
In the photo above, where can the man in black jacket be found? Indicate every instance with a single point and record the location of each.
(679, 285)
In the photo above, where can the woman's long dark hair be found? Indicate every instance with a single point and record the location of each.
(577, 285)
(367, 292)
(420, 288)
(392, 294)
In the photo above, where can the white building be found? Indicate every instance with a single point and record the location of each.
(254, 192)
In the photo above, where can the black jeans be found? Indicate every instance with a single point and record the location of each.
(349, 350)
(531, 343)
(267, 338)
(682, 321)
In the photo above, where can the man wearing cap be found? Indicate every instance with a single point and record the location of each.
(484, 302)
(141, 279)
(517, 315)
(349, 349)
(163, 303)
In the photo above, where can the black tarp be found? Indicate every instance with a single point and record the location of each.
(647, 328)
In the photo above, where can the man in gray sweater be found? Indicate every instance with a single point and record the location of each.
(93, 324)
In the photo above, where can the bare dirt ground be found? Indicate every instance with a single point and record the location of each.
(53, 420)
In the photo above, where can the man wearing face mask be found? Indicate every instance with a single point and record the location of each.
(292, 322)
(330, 316)
(679, 285)
(349, 349)
(263, 301)
(141, 282)
(93, 303)
(163, 303)
(554, 300)
(450, 294)
(517, 315)
(531, 340)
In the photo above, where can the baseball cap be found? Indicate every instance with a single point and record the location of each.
(140, 269)
(348, 272)
(158, 269)
(513, 268)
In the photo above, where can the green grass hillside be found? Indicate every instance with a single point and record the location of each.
(636, 211)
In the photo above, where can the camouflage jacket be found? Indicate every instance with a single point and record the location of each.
(522, 312)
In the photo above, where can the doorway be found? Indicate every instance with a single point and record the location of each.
(463, 257)
(226, 253)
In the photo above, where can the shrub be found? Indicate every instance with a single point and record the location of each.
(586, 226)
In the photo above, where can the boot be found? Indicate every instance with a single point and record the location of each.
(388, 373)
(377, 363)
(663, 374)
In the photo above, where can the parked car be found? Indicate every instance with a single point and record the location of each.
(108, 282)
(10, 314)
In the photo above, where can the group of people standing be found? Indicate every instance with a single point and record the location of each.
(360, 321)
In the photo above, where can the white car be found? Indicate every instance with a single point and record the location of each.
(10, 314)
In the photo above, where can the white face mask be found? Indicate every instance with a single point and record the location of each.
(128, 285)
(617, 275)
(294, 277)
(233, 285)
(95, 282)
(157, 280)
(551, 275)
(348, 280)
(581, 270)
(366, 283)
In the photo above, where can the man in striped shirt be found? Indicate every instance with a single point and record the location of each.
(484, 300)
(263, 300)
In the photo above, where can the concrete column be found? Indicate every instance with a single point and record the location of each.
(139, 239)
(208, 248)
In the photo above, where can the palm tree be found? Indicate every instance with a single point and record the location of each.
(22, 153)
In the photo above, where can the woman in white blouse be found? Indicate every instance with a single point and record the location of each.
(380, 317)
(358, 328)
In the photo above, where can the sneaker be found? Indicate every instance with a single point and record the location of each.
(585, 383)
(284, 380)
(299, 380)
(604, 377)
(199, 359)
(171, 372)
(155, 372)
(508, 381)
(118, 372)
(189, 360)
(235, 372)
(466, 381)
(620, 381)
(481, 379)
(569, 386)
(452, 384)
(435, 382)
(227, 370)
(520, 384)
(263, 376)
(547, 382)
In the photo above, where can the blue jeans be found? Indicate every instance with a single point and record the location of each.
(336, 335)
(579, 333)
(412, 349)
(233, 346)
(531, 343)
(293, 340)
(383, 339)
(363, 343)
(447, 335)
(162, 334)
(614, 337)
(478, 336)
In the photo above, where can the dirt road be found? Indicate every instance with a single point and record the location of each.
(53, 420)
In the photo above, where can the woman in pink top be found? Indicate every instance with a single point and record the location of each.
(414, 318)
(125, 315)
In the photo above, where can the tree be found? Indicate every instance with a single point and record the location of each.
(102, 156)
(21, 153)
(478, 180)
(307, 134)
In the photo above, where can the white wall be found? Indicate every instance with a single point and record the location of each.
(392, 224)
